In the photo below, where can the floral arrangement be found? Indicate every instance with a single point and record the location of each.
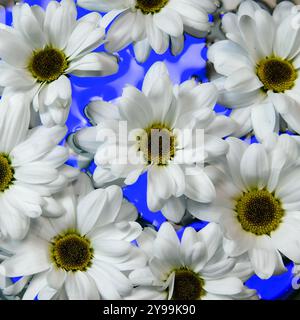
(66, 229)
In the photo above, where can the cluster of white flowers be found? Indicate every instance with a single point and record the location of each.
(71, 234)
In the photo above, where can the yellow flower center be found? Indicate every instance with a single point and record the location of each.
(259, 212)
(71, 252)
(150, 6)
(6, 172)
(158, 144)
(48, 64)
(187, 285)
(276, 74)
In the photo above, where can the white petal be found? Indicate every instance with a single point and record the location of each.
(226, 286)
(228, 57)
(135, 107)
(158, 40)
(243, 118)
(16, 78)
(291, 115)
(79, 286)
(14, 121)
(85, 38)
(38, 282)
(177, 45)
(280, 101)
(264, 120)
(248, 29)
(31, 27)
(14, 224)
(169, 21)
(285, 37)
(286, 240)
(13, 49)
(142, 50)
(166, 246)
(162, 181)
(56, 278)
(103, 283)
(281, 10)
(59, 89)
(89, 209)
(154, 202)
(264, 257)
(255, 167)
(142, 276)
(211, 235)
(28, 262)
(199, 187)
(119, 35)
(236, 150)
(100, 110)
(36, 173)
(94, 64)
(266, 31)
(174, 209)
(103, 6)
(128, 231)
(61, 23)
(157, 86)
(147, 293)
(221, 126)
(243, 80)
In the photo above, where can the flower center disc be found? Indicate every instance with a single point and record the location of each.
(71, 252)
(150, 6)
(48, 64)
(259, 212)
(276, 74)
(6, 172)
(187, 285)
(158, 145)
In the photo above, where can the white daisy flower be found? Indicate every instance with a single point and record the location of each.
(43, 48)
(257, 203)
(83, 254)
(31, 169)
(195, 268)
(160, 112)
(151, 23)
(259, 64)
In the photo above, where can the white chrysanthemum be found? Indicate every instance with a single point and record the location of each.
(159, 111)
(31, 168)
(260, 65)
(151, 23)
(195, 268)
(81, 255)
(257, 203)
(43, 47)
